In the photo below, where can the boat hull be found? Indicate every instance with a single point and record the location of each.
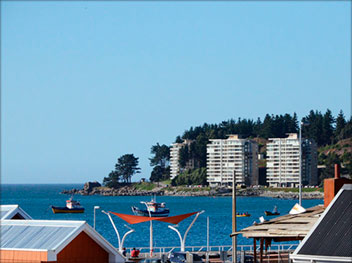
(58, 210)
(243, 215)
(268, 213)
(140, 212)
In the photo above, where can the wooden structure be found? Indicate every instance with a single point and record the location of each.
(283, 228)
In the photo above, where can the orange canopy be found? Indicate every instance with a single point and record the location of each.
(131, 219)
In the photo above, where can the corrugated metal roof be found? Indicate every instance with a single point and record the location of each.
(8, 211)
(5, 209)
(35, 234)
(333, 235)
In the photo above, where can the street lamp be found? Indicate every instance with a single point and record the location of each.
(120, 242)
(183, 240)
(95, 208)
(234, 237)
(302, 123)
(150, 229)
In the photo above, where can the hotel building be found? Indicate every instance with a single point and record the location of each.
(283, 161)
(226, 155)
(175, 148)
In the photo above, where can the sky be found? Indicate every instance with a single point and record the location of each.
(83, 83)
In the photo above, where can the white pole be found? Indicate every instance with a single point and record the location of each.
(300, 165)
(207, 255)
(123, 239)
(208, 233)
(113, 224)
(95, 208)
(150, 230)
(183, 240)
(234, 237)
(179, 235)
(194, 220)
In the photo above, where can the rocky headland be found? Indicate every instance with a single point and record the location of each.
(134, 189)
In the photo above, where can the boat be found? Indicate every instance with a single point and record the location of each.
(153, 209)
(273, 213)
(72, 206)
(243, 215)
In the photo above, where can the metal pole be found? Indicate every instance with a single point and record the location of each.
(234, 237)
(151, 231)
(208, 233)
(300, 164)
(207, 254)
(95, 208)
(113, 224)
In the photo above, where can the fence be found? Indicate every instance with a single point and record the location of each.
(276, 248)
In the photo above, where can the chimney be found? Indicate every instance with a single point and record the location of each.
(333, 185)
(337, 171)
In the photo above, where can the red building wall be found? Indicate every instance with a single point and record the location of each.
(83, 249)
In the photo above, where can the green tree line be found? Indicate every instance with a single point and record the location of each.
(323, 128)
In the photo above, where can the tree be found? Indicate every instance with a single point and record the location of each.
(328, 129)
(161, 162)
(330, 160)
(125, 168)
(161, 155)
(157, 174)
(340, 123)
(183, 156)
(112, 180)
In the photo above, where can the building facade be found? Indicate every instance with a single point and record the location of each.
(224, 156)
(283, 161)
(175, 148)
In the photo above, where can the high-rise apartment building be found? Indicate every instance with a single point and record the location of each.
(283, 161)
(226, 155)
(175, 148)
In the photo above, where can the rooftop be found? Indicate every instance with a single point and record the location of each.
(9, 211)
(286, 227)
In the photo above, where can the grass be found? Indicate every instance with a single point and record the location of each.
(168, 182)
(145, 186)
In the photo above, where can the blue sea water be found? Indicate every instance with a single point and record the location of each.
(36, 201)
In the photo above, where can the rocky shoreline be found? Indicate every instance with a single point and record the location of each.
(95, 188)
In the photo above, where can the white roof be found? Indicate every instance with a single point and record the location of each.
(8, 211)
(48, 235)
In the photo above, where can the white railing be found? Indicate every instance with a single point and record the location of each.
(248, 248)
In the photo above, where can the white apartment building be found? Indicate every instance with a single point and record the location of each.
(175, 168)
(226, 155)
(283, 161)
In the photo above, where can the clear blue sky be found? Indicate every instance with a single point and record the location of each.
(86, 82)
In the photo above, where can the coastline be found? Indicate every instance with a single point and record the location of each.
(94, 188)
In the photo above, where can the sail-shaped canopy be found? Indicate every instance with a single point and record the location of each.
(132, 219)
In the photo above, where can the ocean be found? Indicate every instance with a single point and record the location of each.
(36, 201)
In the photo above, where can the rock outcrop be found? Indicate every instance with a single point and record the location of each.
(95, 188)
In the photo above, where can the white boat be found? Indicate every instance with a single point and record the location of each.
(153, 209)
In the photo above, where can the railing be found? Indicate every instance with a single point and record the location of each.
(203, 249)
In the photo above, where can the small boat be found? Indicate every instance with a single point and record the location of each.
(154, 209)
(243, 215)
(273, 213)
(72, 206)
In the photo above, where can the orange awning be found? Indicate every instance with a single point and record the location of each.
(131, 219)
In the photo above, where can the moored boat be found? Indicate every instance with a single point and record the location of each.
(153, 209)
(243, 215)
(72, 206)
(273, 213)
